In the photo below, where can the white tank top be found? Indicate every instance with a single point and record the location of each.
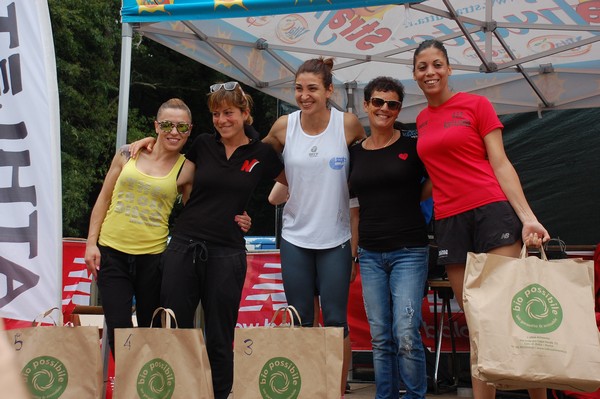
(316, 214)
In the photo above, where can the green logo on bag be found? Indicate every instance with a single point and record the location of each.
(156, 380)
(279, 379)
(46, 377)
(536, 310)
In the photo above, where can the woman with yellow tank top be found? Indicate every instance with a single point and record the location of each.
(129, 223)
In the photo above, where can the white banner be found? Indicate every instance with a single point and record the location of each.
(30, 181)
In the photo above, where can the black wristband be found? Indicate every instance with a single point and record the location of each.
(355, 259)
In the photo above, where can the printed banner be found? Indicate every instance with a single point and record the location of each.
(175, 10)
(77, 282)
(263, 294)
(30, 180)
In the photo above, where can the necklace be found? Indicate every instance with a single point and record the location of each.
(383, 146)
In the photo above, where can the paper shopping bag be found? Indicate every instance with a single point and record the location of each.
(59, 362)
(288, 362)
(11, 384)
(161, 363)
(531, 322)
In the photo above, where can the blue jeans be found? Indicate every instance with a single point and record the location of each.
(393, 285)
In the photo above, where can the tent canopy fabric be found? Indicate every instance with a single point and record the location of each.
(524, 56)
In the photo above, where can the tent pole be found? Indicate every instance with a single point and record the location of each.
(350, 87)
(126, 42)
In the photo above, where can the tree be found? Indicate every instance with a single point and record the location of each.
(84, 43)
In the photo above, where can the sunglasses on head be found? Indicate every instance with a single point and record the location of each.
(181, 127)
(229, 86)
(393, 105)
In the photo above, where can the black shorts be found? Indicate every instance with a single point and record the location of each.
(478, 230)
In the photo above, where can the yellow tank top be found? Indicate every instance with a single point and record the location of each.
(137, 221)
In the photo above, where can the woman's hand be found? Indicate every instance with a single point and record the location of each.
(534, 234)
(92, 259)
(244, 221)
(146, 143)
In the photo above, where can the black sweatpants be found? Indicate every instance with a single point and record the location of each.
(196, 271)
(121, 277)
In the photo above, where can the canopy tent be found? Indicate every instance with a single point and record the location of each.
(524, 56)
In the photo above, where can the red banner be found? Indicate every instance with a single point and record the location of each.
(77, 282)
(263, 294)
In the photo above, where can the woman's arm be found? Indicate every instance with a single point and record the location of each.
(146, 143)
(354, 219)
(279, 194)
(185, 180)
(534, 234)
(92, 253)
(276, 136)
(353, 130)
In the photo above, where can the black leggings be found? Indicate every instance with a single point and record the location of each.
(121, 277)
(195, 271)
(324, 272)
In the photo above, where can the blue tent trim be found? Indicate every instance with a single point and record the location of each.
(177, 10)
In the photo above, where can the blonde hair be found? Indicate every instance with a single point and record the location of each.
(174, 103)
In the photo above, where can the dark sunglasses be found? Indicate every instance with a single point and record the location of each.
(167, 126)
(229, 86)
(393, 105)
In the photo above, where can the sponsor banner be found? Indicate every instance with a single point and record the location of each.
(263, 291)
(263, 294)
(77, 282)
(30, 181)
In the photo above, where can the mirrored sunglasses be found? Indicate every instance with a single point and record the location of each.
(393, 105)
(229, 86)
(167, 126)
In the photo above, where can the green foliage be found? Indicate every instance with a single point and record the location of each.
(85, 36)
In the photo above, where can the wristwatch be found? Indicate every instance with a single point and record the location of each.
(355, 259)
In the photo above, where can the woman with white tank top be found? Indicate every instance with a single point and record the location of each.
(315, 247)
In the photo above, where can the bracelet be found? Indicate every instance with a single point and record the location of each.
(355, 259)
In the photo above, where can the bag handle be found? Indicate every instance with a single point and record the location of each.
(166, 317)
(286, 310)
(542, 252)
(37, 321)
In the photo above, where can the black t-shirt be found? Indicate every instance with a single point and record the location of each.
(387, 183)
(222, 188)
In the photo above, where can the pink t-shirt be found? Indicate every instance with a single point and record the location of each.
(451, 146)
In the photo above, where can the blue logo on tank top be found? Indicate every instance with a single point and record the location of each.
(337, 163)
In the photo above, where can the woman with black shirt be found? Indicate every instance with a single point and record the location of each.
(391, 241)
